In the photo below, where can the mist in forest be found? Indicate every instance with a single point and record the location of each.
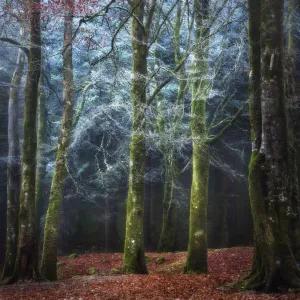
(150, 126)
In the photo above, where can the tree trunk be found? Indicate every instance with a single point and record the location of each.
(49, 256)
(41, 159)
(224, 223)
(293, 126)
(13, 165)
(4, 91)
(197, 247)
(26, 264)
(167, 239)
(169, 225)
(134, 253)
(107, 220)
(274, 265)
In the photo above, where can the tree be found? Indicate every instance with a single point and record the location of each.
(291, 92)
(134, 255)
(202, 137)
(170, 148)
(269, 173)
(49, 256)
(41, 163)
(26, 263)
(13, 164)
(197, 249)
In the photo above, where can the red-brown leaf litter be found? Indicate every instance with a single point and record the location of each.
(165, 281)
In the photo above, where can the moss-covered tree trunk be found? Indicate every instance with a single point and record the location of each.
(13, 165)
(41, 159)
(49, 255)
(254, 12)
(197, 247)
(134, 254)
(273, 262)
(27, 259)
(293, 124)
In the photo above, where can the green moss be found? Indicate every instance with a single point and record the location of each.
(60, 263)
(49, 256)
(196, 262)
(197, 246)
(26, 264)
(73, 256)
(92, 271)
(174, 268)
(148, 259)
(41, 161)
(116, 271)
(160, 260)
(134, 255)
(255, 187)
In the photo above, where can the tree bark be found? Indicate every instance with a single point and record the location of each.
(49, 256)
(197, 246)
(26, 264)
(134, 253)
(274, 265)
(41, 159)
(293, 125)
(13, 165)
(169, 223)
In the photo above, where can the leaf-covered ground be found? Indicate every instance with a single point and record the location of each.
(95, 276)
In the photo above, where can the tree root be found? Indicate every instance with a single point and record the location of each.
(267, 284)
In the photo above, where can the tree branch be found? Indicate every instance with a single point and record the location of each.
(149, 19)
(228, 126)
(16, 43)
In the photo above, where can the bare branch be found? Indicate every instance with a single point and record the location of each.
(228, 126)
(16, 43)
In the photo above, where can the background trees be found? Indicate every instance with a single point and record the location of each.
(99, 145)
(150, 120)
(13, 164)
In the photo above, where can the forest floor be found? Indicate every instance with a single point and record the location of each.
(95, 276)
